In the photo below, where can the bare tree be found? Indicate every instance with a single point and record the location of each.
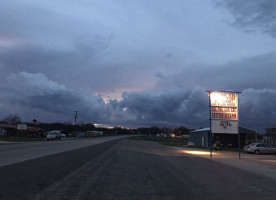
(12, 118)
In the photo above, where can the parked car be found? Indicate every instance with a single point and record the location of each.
(53, 135)
(259, 148)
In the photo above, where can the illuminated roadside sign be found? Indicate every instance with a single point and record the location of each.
(224, 112)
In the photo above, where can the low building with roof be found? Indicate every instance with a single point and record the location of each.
(15, 130)
(7, 128)
(201, 137)
(271, 135)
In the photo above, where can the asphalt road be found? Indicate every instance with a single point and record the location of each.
(16, 152)
(128, 169)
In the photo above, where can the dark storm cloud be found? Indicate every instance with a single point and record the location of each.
(79, 65)
(254, 72)
(37, 58)
(182, 107)
(35, 96)
(257, 108)
(190, 108)
(253, 15)
(87, 63)
(167, 108)
(32, 58)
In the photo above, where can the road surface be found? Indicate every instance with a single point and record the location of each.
(16, 152)
(128, 169)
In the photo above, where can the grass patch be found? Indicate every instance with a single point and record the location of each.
(20, 139)
(235, 149)
(139, 138)
(162, 140)
(172, 144)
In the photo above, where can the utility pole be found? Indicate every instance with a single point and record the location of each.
(76, 116)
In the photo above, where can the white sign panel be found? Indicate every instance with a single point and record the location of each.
(22, 126)
(224, 112)
(227, 127)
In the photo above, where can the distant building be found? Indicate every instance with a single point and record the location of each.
(15, 130)
(79, 134)
(201, 137)
(93, 133)
(35, 122)
(6, 128)
(271, 135)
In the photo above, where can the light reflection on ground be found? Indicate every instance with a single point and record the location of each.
(193, 152)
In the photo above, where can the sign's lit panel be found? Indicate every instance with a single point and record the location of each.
(222, 126)
(224, 99)
(224, 113)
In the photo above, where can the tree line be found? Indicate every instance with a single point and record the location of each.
(68, 128)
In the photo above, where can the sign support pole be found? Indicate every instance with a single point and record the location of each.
(239, 136)
(211, 135)
(239, 140)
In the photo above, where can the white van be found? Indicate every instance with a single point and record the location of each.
(54, 135)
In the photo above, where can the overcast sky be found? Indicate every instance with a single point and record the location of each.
(137, 63)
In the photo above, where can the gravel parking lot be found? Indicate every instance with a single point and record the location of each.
(260, 164)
